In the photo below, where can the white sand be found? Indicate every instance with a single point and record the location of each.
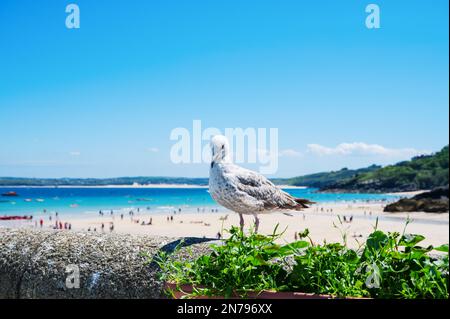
(318, 219)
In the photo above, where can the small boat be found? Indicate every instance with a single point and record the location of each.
(28, 200)
(10, 194)
(16, 217)
(40, 200)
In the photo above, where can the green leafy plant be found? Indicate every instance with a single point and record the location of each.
(243, 263)
(387, 265)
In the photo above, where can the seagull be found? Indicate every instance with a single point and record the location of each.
(244, 191)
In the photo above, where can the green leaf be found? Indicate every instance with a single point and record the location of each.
(443, 248)
(289, 248)
(377, 240)
(418, 252)
(272, 249)
(351, 256)
(410, 240)
(257, 260)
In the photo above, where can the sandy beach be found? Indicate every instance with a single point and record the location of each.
(321, 220)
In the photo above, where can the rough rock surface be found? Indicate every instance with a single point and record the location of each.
(37, 264)
(435, 201)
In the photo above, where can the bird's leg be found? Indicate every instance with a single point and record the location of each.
(241, 222)
(256, 223)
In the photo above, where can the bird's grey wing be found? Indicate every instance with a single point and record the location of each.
(261, 189)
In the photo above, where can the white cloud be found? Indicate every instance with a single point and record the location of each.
(153, 149)
(74, 153)
(363, 149)
(290, 153)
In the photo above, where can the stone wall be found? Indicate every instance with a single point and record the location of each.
(38, 264)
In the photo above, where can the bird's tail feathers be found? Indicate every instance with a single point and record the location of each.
(303, 203)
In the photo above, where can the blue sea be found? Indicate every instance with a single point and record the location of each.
(82, 201)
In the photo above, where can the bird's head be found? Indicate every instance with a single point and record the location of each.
(219, 149)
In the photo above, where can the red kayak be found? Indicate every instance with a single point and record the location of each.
(16, 217)
(10, 194)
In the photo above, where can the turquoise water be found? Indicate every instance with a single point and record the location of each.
(80, 201)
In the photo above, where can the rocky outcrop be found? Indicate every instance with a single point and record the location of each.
(50, 264)
(436, 201)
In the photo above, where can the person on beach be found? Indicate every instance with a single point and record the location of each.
(171, 218)
(121, 216)
(103, 227)
(111, 228)
(41, 222)
(219, 235)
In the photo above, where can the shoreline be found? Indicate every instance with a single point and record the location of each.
(408, 194)
(191, 186)
(181, 186)
(325, 223)
(187, 186)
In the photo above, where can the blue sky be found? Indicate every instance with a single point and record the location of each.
(101, 100)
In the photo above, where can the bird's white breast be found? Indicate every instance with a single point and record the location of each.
(223, 190)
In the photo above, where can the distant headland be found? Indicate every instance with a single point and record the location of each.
(419, 173)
